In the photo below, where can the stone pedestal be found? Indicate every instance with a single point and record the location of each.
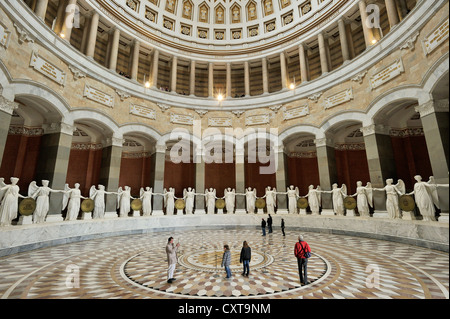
(408, 215)
(111, 215)
(219, 210)
(86, 216)
(136, 213)
(240, 212)
(282, 212)
(180, 212)
(302, 211)
(444, 218)
(260, 211)
(351, 213)
(25, 220)
(52, 218)
(380, 214)
(327, 212)
(200, 211)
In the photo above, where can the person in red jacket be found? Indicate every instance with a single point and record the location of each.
(299, 251)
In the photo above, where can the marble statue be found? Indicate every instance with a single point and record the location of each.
(9, 196)
(41, 195)
(124, 201)
(364, 198)
(189, 197)
(146, 197)
(392, 194)
(314, 199)
(98, 196)
(338, 195)
(250, 197)
(210, 198)
(293, 195)
(230, 196)
(271, 199)
(426, 197)
(169, 200)
(72, 200)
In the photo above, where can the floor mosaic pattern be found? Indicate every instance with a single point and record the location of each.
(133, 267)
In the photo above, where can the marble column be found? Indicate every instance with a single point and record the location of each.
(280, 176)
(60, 12)
(247, 78)
(114, 50)
(265, 76)
(173, 81)
(158, 182)
(343, 39)
(435, 123)
(228, 80)
(391, 9)
(110, 172)
(239, 167)
(41, 8)
(351, 47)
(283, 71)
(381, 162)
(326, 161)
(199, 182)
(192, 79)
(69, 16)
(135, 60)
(211, 80)
(92, 38)
(368, 34)
(155, 68)
(53, 162)
(7, 108)
(323, 53)
(303, 64)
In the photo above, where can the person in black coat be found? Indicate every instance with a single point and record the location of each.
(282, 226)
(269, 223)
(263, 227)
(246, 256)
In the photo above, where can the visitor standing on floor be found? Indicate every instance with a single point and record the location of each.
(226, 260)
(171, 251)
(282, 226)
(301, 249)
(246, 256)
(269, 223)
(263, 227)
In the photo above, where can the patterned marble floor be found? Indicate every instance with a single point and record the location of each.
(135, 267)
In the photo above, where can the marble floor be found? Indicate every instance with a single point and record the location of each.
(135, 267)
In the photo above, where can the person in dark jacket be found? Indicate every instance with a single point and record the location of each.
(263, 227)
(246, 256)
(269, 223)
(226, 260)
(282, 226)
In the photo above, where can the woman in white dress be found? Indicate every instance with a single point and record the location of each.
(271, 200)
(41, 195)
(146, 198)
(73, 197)
(189, 197)
(426, 198)
(230, 196)
(392, 193)
(169, 200)
(314, 199)
(123, 201)
(98, 196)
(210, 198)
(338, 195)
(250, 196)
(9, 196)
(364, 198)
(293, 194)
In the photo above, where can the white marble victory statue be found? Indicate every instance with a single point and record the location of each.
(169, 200)
(9, 198)
(271, 199)
(124, 201)
(293, 194)
(364, 198)
(392, 194)
(189, 198)
(72, 200)
(338, 195)
(250, 197)
(210, 200)
(146, 198)
(426, 197)
(98, 196)
(230, 196)
(314, 198)
(41, 195)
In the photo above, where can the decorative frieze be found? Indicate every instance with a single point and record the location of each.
(48, 69)
(86, 146)
(23, 35)
(181, 119)
(25, 131)
(410, 42)
(339, 98)
(387, 74)
(406, 132)
(436, 37)
(163, 107)
(123, 95)
(296, 112)
(143, 111)
(220, 122)
(5, 36)
(77, 74)
(7, 106)
(315, 97)
(257, 119)
(359, 77)
(98, 96)
(310, 154)
(350, 147)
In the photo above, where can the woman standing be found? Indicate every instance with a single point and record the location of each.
(226, 260)
(246, 256)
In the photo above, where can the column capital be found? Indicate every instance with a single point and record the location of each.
(375, 129)
(432, 106)
(113, 141)
(160, 148)
(55, 127)
(8, 106)
(325, 141)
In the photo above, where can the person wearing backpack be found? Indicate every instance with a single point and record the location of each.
(302, 251)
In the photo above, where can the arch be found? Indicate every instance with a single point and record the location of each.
(102, 119)
(435, 75)
(141, 129)
(299, 129)
(344, 117)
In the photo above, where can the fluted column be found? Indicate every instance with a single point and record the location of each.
(280, 176)
(303, 63)
(92, 39)
(41, 8)
(158, 183)
(327, 169)
(199, 181)
(247, 78)
(173, 82)
(60, 12)
(211, 80)
(283, 71)
(114, 50)
(135, 60)
(240, 180)
(392, 13)
(368, 34)
(192, 79)
(155, 68)
(323, 53)
(228, 79)
(265, 76)
(343, 39)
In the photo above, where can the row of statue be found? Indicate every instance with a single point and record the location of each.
(426, 199)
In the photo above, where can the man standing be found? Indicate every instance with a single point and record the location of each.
(263, 227)
(171, 251)
(269, 223)
(282, 226)
(301, 247)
